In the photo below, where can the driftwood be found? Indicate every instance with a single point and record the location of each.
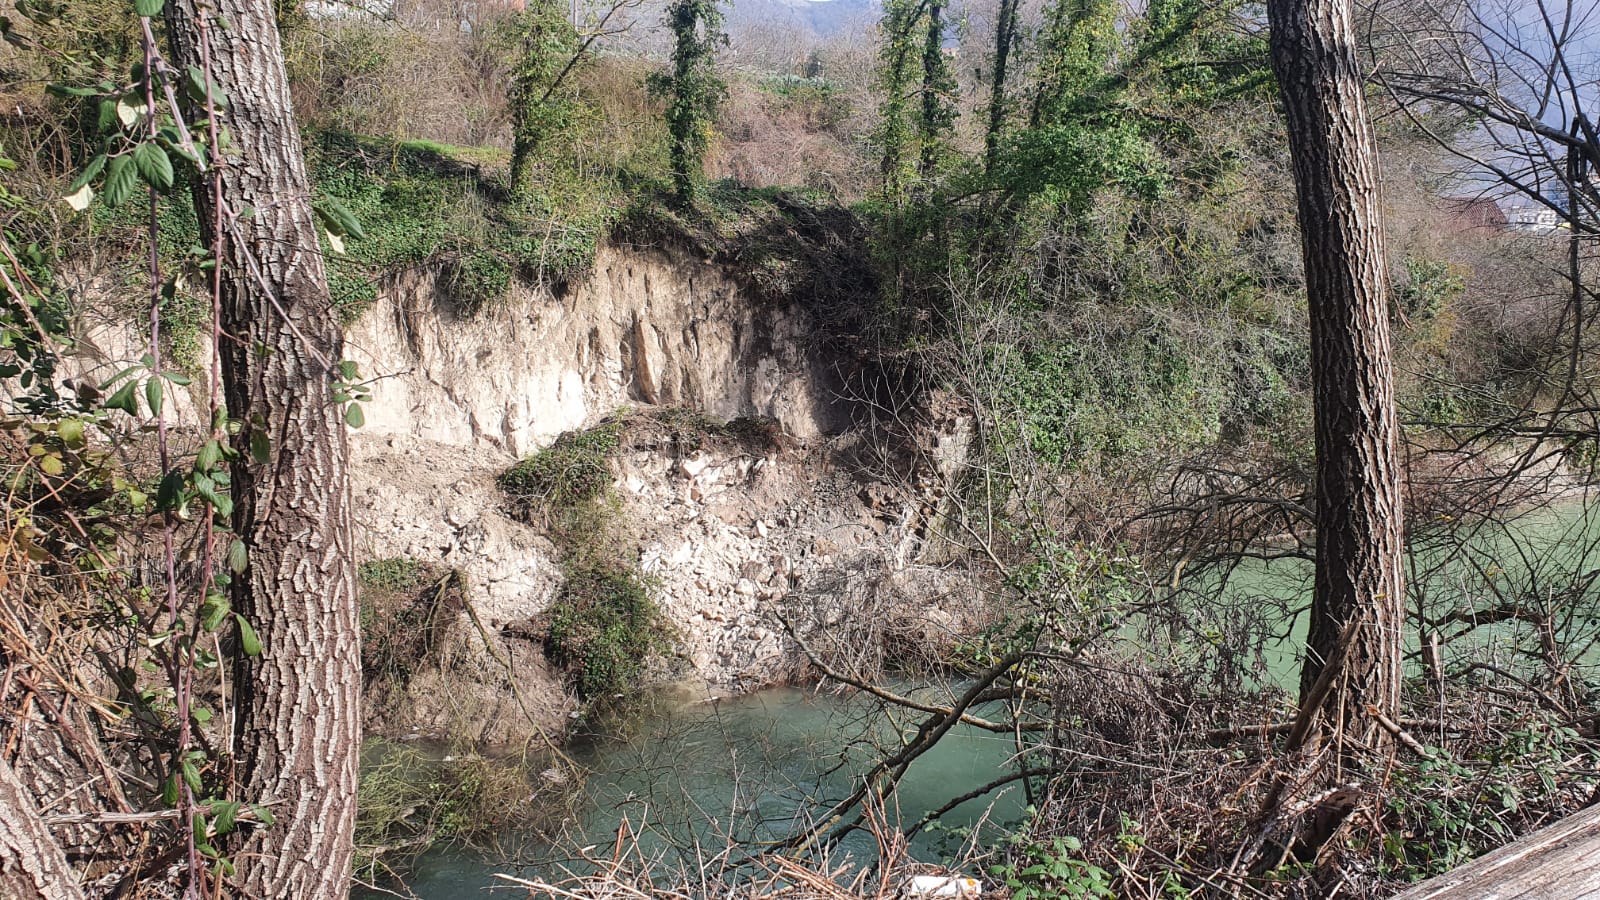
(1559, 862)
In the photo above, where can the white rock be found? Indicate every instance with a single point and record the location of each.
(943, 886)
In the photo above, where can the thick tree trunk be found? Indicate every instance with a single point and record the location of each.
(32, 866)
(1352, 663)
(298, 727)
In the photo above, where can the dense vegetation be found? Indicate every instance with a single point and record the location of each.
(1080, 224)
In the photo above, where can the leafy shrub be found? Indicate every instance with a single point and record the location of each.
(1079, 403)
(1040, 871)
(480, 278)
(576, 469)
(1444, 810)
(603, 627)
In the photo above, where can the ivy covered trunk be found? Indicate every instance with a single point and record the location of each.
(1352, 669)
(297, 731)
(1005, 37)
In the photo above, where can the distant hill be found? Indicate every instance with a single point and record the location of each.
(809, 18)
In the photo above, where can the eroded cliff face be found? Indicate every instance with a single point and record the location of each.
(736, 538)
(650, 326)
(815, 527)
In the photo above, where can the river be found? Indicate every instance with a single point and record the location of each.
(694, 771)
(748, 767)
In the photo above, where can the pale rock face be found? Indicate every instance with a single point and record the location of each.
(731, 536)
(650, 327)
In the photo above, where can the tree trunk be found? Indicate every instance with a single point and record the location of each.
(1352, 666)
(32, 866)
(1005, 36)
(933, 84)
(298, 727)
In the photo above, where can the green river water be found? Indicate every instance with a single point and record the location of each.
(745, 768)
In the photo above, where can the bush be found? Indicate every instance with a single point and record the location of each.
(603, 628)
(1082, 403)
(406, 607)
(575, 470)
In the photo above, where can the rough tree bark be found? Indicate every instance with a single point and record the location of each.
(32, 866)
(297, 732)
(1352, 667)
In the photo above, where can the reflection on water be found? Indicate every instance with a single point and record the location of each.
(701, 774)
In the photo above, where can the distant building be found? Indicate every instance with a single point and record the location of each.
(1533, 218)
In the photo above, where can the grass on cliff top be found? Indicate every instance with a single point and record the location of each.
(785, 243)
(426, 206)
(431, 205)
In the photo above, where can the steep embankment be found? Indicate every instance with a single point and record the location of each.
(731, 534)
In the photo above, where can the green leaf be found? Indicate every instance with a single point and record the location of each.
(260, 446)
(169, 790)
(248, 641)
(154, 166)
(353, 416)
(198, 89)
(153, 395)
(148, 8)
(225, 811)
(263, 815)
(63, 90)
(207, 458)
(238, 557)
(170, 493)
(94, 167)
(70, 431)
(338, 219)
(125, 399)
(213, 611)
(191, 775)
(121, 176)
